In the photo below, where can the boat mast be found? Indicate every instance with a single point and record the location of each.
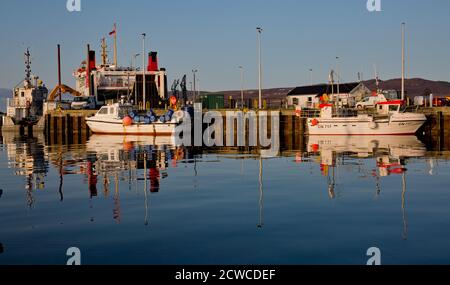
(403, 61)
(115, 45)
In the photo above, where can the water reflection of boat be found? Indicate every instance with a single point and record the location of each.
(108, 155)
(28, 157)
(363, 146)
(106, 143)
(129, 158)
(391, 154)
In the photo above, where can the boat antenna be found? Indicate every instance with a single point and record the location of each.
(403, 60)
(377, 78)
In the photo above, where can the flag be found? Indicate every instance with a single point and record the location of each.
(113, 32)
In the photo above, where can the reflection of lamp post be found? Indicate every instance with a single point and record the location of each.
(405, 221)
(261, 194)
(259, 31)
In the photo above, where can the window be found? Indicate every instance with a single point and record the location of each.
(393, 108)
(111, 110)
(310, 99)
(22, 94)
(103, 111)
(295, 101)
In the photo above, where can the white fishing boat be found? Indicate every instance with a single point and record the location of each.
(116, 119)
(390, 118)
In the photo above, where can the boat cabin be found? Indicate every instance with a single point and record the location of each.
(115, 111)
(389, 107)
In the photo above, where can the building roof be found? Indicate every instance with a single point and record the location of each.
(323, 89)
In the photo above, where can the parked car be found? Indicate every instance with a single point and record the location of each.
(370, 102)
(441, 102)
(83, 103)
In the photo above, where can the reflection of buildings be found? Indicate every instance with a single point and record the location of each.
(28, 158)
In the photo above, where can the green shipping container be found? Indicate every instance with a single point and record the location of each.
(213, 101)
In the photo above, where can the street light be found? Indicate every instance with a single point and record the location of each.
(258, 33)
(135, 89)
(311, 76)
(194, 72)
(143, 71)
(242, 86)
(133, 60)
(337, 73)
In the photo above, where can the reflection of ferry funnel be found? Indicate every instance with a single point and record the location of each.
(107, 143)
(395, 146)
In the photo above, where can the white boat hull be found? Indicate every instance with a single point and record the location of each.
(117, 128)
(355, 126)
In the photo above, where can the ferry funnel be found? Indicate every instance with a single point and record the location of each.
(152, 61)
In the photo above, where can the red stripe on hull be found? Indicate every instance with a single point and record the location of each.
(350, 135)
(134, 134)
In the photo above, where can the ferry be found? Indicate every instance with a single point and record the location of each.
(390, 118)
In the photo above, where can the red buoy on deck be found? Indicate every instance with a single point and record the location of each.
(127, 121)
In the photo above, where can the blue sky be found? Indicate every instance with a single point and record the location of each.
(216, 36)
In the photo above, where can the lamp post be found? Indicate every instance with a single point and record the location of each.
(143, 72)
(338, 80)
(259, 30)
(242, 86)
(337, 74)
(135, 88)
(194, 72)
(403, 61)
(311, 76)
(133, 60)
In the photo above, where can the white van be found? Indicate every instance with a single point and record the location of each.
(83, 103)
(370, 102)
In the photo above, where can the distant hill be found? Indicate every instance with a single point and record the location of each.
(414, 87)
(4, 93)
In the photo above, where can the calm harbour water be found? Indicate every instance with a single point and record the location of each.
(324, 203)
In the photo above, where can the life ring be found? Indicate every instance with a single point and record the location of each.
(314, 122)
(179, 115)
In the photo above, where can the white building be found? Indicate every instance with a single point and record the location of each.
(309, 96)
